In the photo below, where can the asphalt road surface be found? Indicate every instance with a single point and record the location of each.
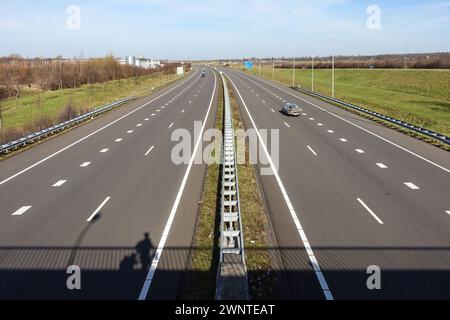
(107, 198)
(351, 194)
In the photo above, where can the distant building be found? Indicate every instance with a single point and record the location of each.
(140, 62)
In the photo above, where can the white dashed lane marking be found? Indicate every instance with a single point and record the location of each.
(59, 183)
(149, 150)
(85, 164)
(343, 139)
(412, 186)
(171, 125)
(312, 150)
(130, 131)
(98, 209)
(330, 131)
(382, 165)
(104, 150)
(118, 140)
(21, 211)
(370, 211)
(359, 150)
(287, 125)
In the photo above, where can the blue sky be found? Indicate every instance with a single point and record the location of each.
(198, 29)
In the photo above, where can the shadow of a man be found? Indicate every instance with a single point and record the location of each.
(143, 249)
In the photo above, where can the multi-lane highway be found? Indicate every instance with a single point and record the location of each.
(350, 194)
(107, 198)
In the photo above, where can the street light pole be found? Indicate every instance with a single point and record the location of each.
(259, 69)
(273, 68)
(332, 76)
(293, 74)
(312, 74)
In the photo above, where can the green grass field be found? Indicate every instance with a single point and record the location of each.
(421, 97)
(23, 113)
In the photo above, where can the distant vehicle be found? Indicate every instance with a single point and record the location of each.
(203, 74)
(291, 109)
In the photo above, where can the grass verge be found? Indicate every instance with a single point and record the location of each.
(34, 112)
(421, 97)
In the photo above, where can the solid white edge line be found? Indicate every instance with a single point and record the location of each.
(95, 132)
(149, 150)
(323, 284)
(21, 211)
(312, 150)
(370, 211)
(148, 281)
(98, 209)
(361, 128)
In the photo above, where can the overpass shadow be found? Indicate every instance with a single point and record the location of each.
(119, 272)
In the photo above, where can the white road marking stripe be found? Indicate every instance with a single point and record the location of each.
(320, 124)
(162, 242)
(139, 125)
(382, 165)
(272, 110)
(359, 150)
(448, 211)
(21, 211)
(149, 150)
(190, 101)
(59, 183)
(171, 125)
(287, 125)
(361, 128)
(182, 111)
(343, 139)
(130, 131)
(330, 131)
(312, 119)
(412, 185)
(153, 114)
(104, 150)
(146, 119)
(85, 164)
(158, 110)
(95, 132)
(311, 149)
(370, 211)
(263, 101)
(325, 289)
(118, 140)
(98, 209)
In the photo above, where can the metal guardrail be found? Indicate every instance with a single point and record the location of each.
(424, 131)
(13, 145)
(232, 273)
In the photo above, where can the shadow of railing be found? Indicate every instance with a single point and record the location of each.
(118, 272)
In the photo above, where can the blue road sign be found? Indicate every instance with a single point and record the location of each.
(248, 64)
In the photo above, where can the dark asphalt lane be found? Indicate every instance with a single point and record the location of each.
(351, 198)
(137, 185)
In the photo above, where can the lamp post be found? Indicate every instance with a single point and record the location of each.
(293, 73)
(332, 75)
(312, 73)
(273, 68)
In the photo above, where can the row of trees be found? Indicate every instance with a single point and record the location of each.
(53, 74)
